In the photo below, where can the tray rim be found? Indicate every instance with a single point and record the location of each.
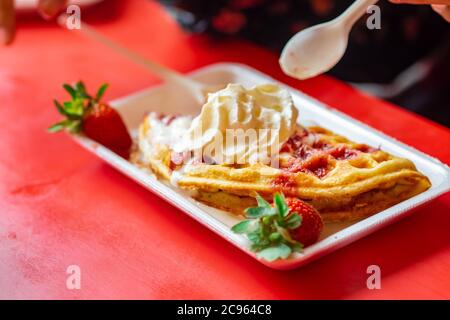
(327, 245)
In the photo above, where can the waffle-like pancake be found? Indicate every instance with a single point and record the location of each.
(341, 179)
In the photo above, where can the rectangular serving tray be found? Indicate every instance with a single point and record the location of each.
(162, 99)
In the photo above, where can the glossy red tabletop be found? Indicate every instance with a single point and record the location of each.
(61, 206)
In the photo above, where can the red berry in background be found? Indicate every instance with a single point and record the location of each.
(228, 21)
(312, 224)
(244, 4)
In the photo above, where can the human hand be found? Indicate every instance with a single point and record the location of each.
(440, 6)
(47, 8)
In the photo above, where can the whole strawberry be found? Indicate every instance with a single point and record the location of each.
(278, 229)
(309, 230)
(95, 119)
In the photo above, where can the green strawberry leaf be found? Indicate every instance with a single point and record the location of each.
(245, 226)
(257, 212)
(281, 251)
(74, 126)
(281, 205)
(262, 202)
(75, 109)
(58, 126)
(70, 90)
(293, 221)
(100, 92)
(275, 237)
(255, 237)
(81, 90)
(285, 234)
(263, 209)
(60, 108)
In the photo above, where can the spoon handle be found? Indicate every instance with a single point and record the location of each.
(161, 71)
(355, 11)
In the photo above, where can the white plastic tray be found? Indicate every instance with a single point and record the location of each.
(163, 99)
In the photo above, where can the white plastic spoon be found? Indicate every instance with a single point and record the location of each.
(317, 49)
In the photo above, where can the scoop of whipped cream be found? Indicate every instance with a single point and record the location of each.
(238, 125)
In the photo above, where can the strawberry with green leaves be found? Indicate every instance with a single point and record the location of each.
(277, 230)
(95, 119)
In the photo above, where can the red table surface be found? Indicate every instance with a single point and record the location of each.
(62, 206)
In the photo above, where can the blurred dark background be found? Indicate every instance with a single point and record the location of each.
(407, 61)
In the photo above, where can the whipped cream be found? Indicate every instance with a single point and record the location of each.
(167, 130)
(238, 125)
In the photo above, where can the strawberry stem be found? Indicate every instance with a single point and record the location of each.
(267, 227)
(75, 109)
